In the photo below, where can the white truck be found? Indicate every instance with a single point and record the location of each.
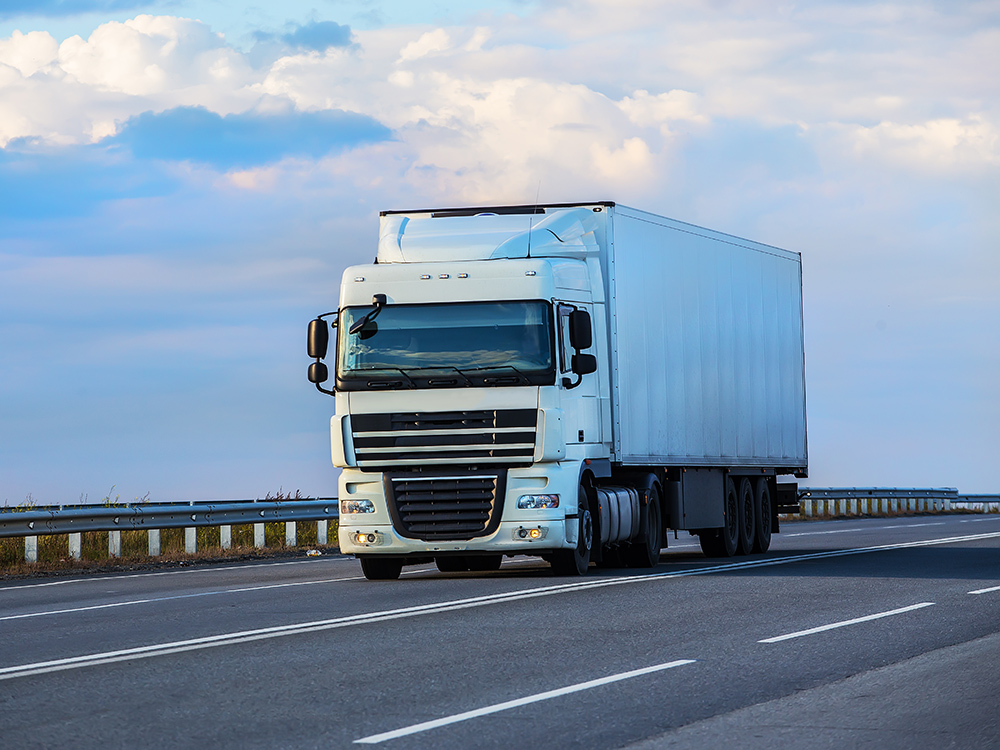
(568, 381)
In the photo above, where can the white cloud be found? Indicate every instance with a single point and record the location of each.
(940, 145)
(429, 43)
(29, 53)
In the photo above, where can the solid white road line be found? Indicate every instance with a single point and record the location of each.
(507, 705)
(225, 639)
(153, 600)
(986, 591)
(865, 528)
(105, 578)
(845, 623)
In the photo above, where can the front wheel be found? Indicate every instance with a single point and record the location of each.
(381, 568)
(576, 561)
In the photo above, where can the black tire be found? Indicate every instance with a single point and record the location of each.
(379, 568)
(483, 563)
(762, 502)
(645, 552)
(748, 516)
(725, 541)
(575, 562)
(452, 564)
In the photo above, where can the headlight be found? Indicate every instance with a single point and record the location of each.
(537, 502)
(350, 507)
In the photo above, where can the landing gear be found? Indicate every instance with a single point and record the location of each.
(576, 561)
(380, 567)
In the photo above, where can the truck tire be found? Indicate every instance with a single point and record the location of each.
(575, 562)
(748, 516)
(452, 564)
(724, 542)
(762, 502)
(645, 552)
(381, 568)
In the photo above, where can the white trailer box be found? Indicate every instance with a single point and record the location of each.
(706, 346)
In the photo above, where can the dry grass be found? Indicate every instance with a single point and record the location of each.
(53, 549)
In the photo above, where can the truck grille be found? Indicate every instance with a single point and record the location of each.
(499, 436)
(446, 507)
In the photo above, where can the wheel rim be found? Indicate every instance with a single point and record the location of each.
(586, 531)
(733, 521)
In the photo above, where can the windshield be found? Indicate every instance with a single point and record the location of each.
(447, 345)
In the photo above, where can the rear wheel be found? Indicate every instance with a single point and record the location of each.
(762, 502)
(725, 541)
(748, 516)
(379, 568)
(645, 552)
(575, 562)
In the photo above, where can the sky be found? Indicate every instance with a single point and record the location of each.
(182, 184)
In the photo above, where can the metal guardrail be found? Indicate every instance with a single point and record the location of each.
(850, 501)
(151, 517)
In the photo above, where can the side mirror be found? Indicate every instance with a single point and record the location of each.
(584, 364)
(318, 373)
(580, 333)
(319, 340)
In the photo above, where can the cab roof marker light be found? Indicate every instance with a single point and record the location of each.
(425, 276)
(444, 276)
(359, 278)
(530, 273)
(463, 276)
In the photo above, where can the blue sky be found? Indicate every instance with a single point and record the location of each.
(183, 183)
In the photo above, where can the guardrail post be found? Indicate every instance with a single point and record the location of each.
(322, 532)
(76, 545)
(807, 507)
(115, 543)
(258, 535)
(190, 539)
(290, 533)
(853, 506)
(31, 549)
(226, 536)
(154, 542)
(947, 505)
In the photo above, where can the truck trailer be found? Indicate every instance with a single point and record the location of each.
(568, 381)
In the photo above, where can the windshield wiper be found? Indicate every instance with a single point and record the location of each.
(440, 367)
(524, 378)
(395, 369)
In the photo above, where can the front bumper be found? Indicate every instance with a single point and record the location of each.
(551, 526)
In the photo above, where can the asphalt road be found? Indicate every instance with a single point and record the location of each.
(870, 633)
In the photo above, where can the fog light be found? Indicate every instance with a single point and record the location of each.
(530, 534)
(537, 502)
(367, 538)
(351, 507)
